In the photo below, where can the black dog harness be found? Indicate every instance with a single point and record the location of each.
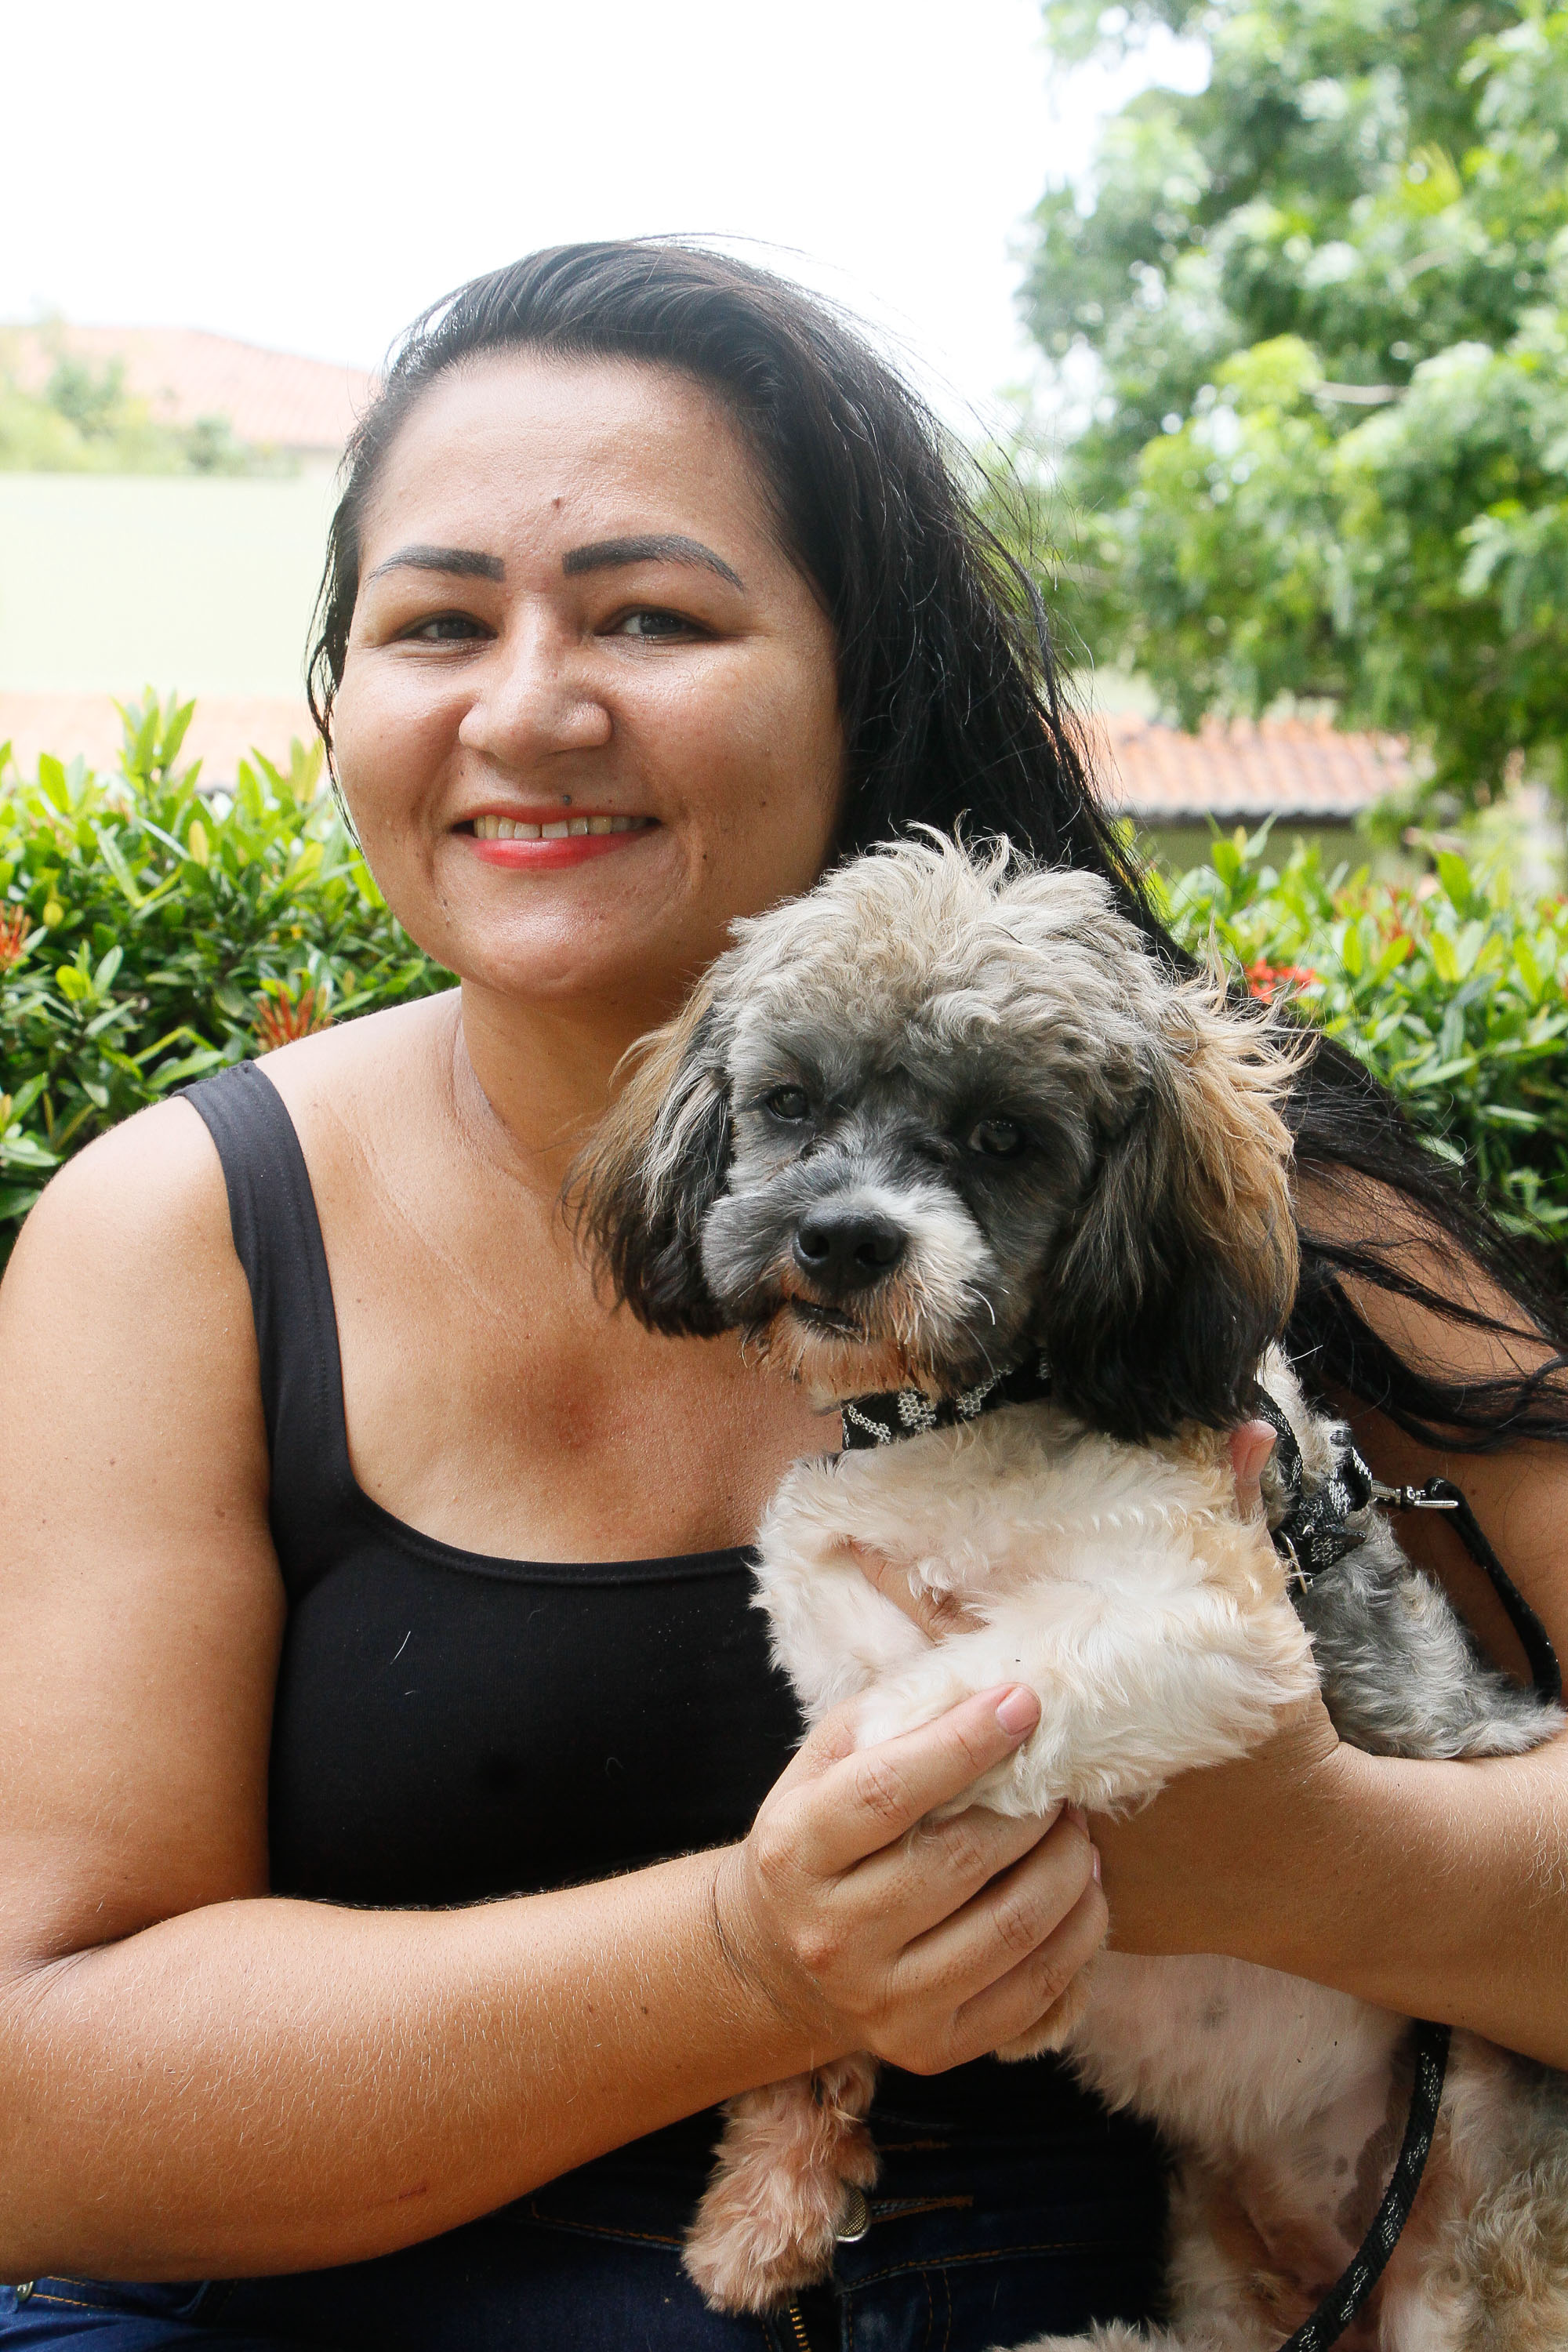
(1315, 1534)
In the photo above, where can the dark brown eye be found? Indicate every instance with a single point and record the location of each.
(997, 1139)
(790, 1103)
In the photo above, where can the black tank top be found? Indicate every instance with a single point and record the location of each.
(450, 1726)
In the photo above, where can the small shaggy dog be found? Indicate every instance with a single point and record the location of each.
(944, 1117)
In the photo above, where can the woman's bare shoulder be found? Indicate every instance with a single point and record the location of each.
(138, 1200)
(345, 1083)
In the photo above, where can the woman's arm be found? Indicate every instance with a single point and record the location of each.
(1440, 1890)
(198, 2078)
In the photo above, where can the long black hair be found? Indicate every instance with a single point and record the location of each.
(953, 715)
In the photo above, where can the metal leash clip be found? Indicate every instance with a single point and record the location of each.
(1412, 1498)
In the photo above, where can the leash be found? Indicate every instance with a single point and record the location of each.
(1367, 2265)
(1313, 1536)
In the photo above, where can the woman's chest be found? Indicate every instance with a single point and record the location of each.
(492, 1401)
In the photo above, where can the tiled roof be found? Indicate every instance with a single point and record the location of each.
(1285, 767)
(271, 398)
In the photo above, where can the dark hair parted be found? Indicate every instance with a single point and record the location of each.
(952, 717)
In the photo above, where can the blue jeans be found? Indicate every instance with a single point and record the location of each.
(975, 2241)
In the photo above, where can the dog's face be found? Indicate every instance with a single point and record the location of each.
(938, 1113)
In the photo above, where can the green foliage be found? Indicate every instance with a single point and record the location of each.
(1326, 300)
(1453, 992)
(149, 931)
(85, 421)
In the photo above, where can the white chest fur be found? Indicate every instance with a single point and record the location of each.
(1117, 1582)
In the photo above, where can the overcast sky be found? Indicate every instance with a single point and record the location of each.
(309, 176)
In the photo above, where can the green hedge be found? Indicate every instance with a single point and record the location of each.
(151, 929)
(1452, 990)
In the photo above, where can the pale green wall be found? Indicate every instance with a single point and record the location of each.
(111, 582)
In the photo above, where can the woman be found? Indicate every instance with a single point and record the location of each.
(377, 1621)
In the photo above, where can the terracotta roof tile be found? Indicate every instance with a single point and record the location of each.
(1288, 768)
(271, 398)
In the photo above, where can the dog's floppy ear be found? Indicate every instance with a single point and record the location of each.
(1182, 1264)
(638, 1192)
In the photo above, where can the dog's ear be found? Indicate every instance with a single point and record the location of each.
(638, 1192)
(1181, 1265)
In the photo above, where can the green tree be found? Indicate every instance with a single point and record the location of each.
(1325, 449)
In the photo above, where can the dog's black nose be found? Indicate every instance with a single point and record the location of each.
(845, 1250)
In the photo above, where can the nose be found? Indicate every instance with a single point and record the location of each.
(531, 698)
(846, 1250)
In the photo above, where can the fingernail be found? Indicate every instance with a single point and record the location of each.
(1094, 1863)
(1019, 1711)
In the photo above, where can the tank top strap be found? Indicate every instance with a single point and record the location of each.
(277, 1241)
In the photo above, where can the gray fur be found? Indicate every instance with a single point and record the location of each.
(1401, 1673)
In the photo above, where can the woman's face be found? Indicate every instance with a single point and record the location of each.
(589, 710)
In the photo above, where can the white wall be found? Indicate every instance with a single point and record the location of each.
(108, 582)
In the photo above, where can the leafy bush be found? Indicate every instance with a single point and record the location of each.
(1454, 992)
(151, 929)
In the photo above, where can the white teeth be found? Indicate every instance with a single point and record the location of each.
(503, 828)
(509, 828)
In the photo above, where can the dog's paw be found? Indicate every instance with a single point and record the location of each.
(756, 2243)
(792, 2156)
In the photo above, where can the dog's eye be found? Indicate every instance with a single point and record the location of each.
(997, 1139)
(791, 1103)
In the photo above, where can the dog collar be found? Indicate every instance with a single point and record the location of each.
(908, 1412)
(1315, 1532)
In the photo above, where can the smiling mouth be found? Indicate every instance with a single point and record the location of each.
(565, 828)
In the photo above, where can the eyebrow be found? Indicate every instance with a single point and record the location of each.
(649, 547)
(464, 563)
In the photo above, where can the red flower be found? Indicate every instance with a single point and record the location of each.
(1263, 978)
(14, 928)
(280, 1018)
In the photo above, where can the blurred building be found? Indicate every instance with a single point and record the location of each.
(300, 408)
(1304, 774)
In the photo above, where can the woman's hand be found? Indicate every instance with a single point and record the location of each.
(874, 1927)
